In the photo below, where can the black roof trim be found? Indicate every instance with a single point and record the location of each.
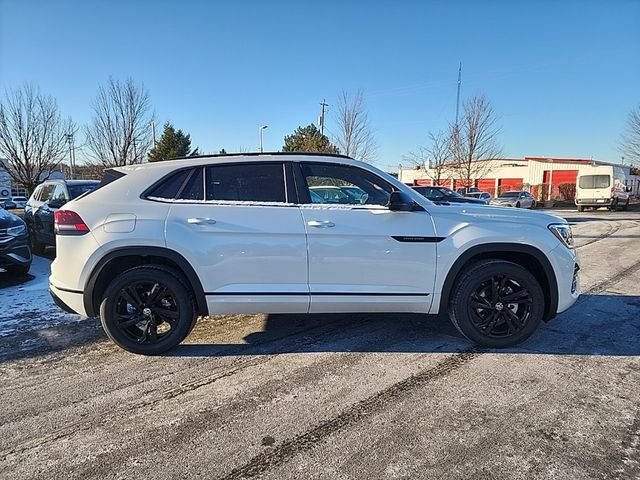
(263, 154)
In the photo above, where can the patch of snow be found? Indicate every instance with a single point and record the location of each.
(29, 306)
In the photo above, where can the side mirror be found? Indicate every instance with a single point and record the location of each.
(400, 202)
(55, 203)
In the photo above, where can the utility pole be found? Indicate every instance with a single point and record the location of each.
(324, 104)
(153, 132)
(72, 154)
(458, 96)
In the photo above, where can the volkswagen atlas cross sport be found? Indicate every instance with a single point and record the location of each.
(154, 246)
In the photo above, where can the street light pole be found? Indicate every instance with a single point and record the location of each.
(260, 129)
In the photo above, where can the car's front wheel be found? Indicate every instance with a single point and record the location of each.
(36, 247)
(148, 310)
(496, 304)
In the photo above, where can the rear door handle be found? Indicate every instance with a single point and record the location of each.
(201, 221)
(321, 223)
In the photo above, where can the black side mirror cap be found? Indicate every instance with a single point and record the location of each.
(400, 202)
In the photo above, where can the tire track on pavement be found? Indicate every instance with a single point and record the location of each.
(372, 405)
(90, 422)
(613, 229)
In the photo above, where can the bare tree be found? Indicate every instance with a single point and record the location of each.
(32, 135)
(631, 138)
(436, 158)
(354, 136)
(119, 132)
(474, 141)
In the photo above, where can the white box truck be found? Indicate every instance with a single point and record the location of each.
(602, 186)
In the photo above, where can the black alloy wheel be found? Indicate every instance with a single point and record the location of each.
(496, 303)
(517, 204)
(500, 307)
(148, 310)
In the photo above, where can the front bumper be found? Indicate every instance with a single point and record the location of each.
(15, 251)
(566, 266)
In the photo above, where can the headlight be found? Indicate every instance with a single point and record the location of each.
(17, 231)
(562, 231)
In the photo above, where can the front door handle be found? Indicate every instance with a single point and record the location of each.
(321, 223)
(200, 221)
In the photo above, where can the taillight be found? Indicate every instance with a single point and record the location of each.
(69, 223)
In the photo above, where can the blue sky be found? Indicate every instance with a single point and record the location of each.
(562, 76)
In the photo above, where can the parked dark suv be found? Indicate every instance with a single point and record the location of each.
(15, 255)
(45, 200)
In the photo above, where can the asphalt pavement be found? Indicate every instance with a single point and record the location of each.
(340, 396)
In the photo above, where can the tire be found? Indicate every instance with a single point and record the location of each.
(19, 269)
(37, 247)
(474, 287)
(517, 204)
(625, 207)
(131, 316)
(580, 208)
(614, 206)
(533, 204)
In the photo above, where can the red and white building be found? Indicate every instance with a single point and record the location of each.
(528, 173)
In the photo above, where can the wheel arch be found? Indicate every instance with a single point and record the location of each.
(122, 259)
(526, 256)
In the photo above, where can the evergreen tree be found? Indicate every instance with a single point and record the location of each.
(172, 144)
(308, 139)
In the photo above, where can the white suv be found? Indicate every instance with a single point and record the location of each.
(156, 245)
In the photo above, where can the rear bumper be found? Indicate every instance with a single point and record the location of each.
(593, 202)
(69, 300)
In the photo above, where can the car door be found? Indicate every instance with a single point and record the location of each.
(362, 256)
(43, 216)
(245, 239)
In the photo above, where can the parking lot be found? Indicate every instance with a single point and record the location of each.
(333, 396)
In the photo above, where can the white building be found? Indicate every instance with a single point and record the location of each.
(528, 173)
(7, 187)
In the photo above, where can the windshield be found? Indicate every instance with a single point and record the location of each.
(450, 193)
(594, 181)
(510, 194)
(76, 190)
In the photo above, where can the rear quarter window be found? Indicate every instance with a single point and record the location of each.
(169, 187)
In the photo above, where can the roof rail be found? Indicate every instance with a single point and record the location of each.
(260, 154)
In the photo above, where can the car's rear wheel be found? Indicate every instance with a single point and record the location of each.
(496, 304)
(580, 208)
(614, 205)
(148, 310)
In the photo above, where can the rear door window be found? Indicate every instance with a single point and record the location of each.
(594, 181)
(251, 182)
